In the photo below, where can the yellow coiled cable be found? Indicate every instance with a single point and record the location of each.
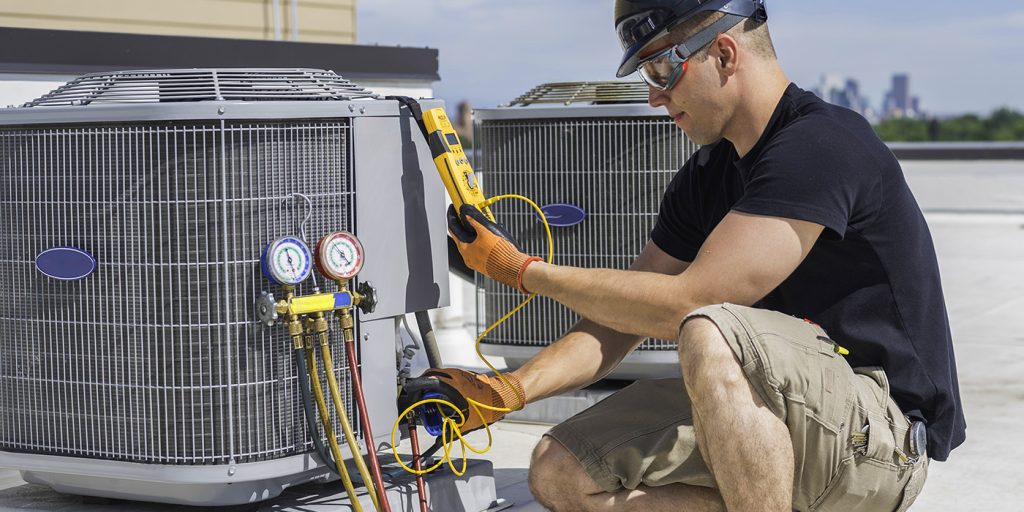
(451, 429)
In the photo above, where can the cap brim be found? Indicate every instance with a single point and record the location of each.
(631, 59)
(628, 66)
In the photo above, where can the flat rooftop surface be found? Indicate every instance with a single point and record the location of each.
(976, 214)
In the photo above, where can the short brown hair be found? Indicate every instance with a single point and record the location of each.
(754, 33)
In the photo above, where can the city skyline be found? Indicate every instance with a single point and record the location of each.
(960, 57)
(896, 102)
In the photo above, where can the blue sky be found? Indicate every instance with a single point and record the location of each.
(961, 56)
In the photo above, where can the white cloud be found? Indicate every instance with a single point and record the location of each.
(1015, 20)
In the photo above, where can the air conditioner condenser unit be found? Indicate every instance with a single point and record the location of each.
(597, 159)
(135, 367)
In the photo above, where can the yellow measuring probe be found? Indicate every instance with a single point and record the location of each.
(463, 188)
(452, 162)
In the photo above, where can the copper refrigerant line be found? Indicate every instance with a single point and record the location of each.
(414, 441)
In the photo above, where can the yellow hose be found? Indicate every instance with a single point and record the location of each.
(318, 393)
(357, 454)
(450, 428)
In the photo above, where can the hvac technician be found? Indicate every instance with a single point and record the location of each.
(793, 209)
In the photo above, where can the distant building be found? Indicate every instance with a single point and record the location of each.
(331, 22)
(844, 93)
(901, 92)
(464, 123)
(898, 102)
(49, 43)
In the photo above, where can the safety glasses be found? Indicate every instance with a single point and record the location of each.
(664, 69)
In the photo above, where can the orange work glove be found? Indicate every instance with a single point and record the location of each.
(487, 247)
(458, 385)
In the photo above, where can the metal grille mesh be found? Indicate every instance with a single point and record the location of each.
(615, 169)
(156, 357)
(171, 85)
(595, 93)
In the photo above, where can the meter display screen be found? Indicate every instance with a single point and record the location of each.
(453, 140)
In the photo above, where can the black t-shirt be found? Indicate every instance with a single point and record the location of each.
(871, 280)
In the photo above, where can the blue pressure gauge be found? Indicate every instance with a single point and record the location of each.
(286, 261)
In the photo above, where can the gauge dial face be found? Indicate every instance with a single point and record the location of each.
(339, 256)
(287, 261)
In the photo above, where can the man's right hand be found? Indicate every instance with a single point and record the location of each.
(460, 386)
(488, 247)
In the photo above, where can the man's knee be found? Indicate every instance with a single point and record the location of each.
(710, 369)
(556, 475)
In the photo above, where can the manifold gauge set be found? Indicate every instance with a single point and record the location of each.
(288, 262)
(338, 256)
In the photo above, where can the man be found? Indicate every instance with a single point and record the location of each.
(792, 206)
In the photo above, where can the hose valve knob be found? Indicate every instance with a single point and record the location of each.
(266, 309)
(368, 303)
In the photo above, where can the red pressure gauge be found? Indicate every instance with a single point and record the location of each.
(339, 256)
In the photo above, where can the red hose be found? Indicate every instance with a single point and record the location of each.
(421, 487)
(364, 417)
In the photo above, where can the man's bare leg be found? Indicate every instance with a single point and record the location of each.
(746, 447)
(562, 485)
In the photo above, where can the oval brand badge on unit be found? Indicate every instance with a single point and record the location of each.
(563, 215)
(65, 263)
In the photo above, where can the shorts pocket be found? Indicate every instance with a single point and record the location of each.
(800, 372)
(881, 445)
(860, 484)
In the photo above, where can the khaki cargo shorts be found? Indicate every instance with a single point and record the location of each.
(643, 435)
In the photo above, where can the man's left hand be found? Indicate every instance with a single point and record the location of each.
(460, 386)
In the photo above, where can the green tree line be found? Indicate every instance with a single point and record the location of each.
(1004, 124)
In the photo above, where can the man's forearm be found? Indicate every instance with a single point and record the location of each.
(640, 303)
(581, 357)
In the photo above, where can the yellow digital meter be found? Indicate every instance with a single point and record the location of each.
(452, 162)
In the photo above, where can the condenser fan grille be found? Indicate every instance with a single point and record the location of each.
(588, 93)
(156, 357)
(181, 85)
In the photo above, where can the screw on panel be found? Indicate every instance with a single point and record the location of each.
(366, 336)
(232, 470)
(351, 108)
(220, 110)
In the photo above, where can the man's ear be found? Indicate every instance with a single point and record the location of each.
(725, 52)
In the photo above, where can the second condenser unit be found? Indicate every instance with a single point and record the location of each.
(597, 159)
